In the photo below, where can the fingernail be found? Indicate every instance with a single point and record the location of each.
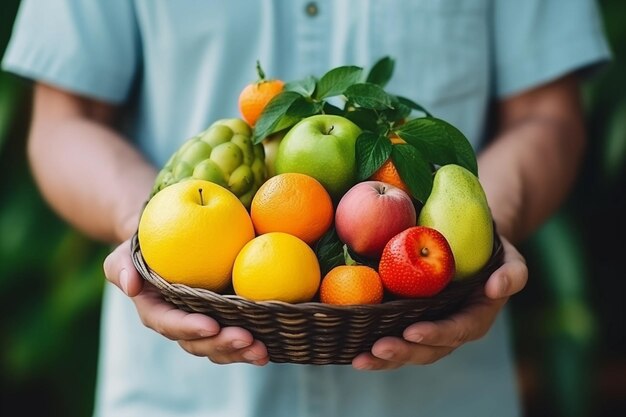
(124, 280)
(238, 344)
(365, 367)
(251, 356)
(205, 333)
(414, 337)
(385, 354)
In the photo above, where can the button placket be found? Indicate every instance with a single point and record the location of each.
(313, 33)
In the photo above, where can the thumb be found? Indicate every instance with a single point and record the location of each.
(119, 269)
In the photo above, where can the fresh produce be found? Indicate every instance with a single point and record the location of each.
(370, 214)
(351, 284)
(254, 97)
(417, 262)
(191, 232)
(223, 154)
(457, 207)
(323, 147)
(385, 193)
(292, 203)
(276, 266)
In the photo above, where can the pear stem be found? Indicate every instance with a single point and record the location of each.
(201, 199)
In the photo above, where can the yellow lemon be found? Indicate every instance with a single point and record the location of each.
(191, 232)
(276, 266)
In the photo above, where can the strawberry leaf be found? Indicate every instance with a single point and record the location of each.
(370, 96)
(337, 80)
(372, 150)
(381, 72)
(414, 170)
(441, 142)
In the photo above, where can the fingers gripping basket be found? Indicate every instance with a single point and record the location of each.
(316, 333)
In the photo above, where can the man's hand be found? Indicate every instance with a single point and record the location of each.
(196, 333)
(427, 342)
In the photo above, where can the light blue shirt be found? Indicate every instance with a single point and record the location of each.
(177, 66)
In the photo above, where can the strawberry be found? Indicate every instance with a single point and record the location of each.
(417, 262)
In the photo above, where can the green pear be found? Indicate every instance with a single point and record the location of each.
(457, 207)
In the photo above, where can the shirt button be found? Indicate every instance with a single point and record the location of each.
(311, 9)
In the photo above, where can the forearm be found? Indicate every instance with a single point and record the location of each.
(90, 175)
(528, 171)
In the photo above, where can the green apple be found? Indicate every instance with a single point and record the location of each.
(322, 146)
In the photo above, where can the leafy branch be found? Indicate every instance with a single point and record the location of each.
(426, 140)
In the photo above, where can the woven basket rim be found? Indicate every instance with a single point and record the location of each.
(317, 307)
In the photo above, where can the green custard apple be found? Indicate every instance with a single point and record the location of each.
(223, 154)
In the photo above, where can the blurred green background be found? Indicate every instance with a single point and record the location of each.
(569, 332)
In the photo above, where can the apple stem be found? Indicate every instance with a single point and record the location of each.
(201, 199)
(331, 129)
(347, 258)
(424, 252)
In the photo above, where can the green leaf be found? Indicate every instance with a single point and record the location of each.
(329, 251)
(363, 260)
(441, 142)
(305, 87)
(271, 116)
(414, 170)
(370, 96)
(302, 108)
(413, 105)
(398, 111)
(372, 150)
(337, 80)
(332, 109)
(364, 118)
(381, 72)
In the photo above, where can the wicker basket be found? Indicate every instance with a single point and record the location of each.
(316, 333)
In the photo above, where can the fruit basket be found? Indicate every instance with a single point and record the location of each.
(312, 332)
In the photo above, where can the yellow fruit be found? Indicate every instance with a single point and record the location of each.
(276, 266)
(191, 232)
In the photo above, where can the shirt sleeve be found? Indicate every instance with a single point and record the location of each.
(86, 47)
(537, 41)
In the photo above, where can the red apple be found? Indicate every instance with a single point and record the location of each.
(370, 214)
(417, 262)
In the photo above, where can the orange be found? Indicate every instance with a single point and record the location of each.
(388, 172)
(254, 97)
(191, 232)
(292, 203)
(351, 284)
(276, 266)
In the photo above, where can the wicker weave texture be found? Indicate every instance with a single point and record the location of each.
(316, 333)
